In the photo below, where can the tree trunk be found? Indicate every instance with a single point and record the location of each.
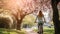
(19, 23)
(56, 16)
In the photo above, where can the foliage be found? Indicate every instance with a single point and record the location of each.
(29, 20)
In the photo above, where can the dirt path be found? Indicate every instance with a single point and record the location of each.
(30, 31)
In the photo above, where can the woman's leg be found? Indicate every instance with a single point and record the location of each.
(40, 28)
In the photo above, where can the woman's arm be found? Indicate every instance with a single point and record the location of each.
(44, 20)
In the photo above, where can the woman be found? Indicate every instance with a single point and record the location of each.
(40, 21)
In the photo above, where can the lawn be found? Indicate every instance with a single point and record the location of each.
(8, 31)
(46, 30)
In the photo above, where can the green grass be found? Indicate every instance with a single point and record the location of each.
(8, 31)
(47, 30)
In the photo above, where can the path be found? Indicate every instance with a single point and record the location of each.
(30, 31)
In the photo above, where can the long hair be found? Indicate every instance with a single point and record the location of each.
(40, 14)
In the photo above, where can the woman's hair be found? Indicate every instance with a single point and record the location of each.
(40, 14)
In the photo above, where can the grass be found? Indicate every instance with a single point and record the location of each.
(8, 31)
(46, 30)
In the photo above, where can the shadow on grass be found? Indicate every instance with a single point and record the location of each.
(49, 31)
(46, 30)
(4, 33)
(1, 33)
(9, 31)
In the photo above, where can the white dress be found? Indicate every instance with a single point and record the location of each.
(40, 20)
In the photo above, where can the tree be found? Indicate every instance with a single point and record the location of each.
(18, 8)
(56, 16)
